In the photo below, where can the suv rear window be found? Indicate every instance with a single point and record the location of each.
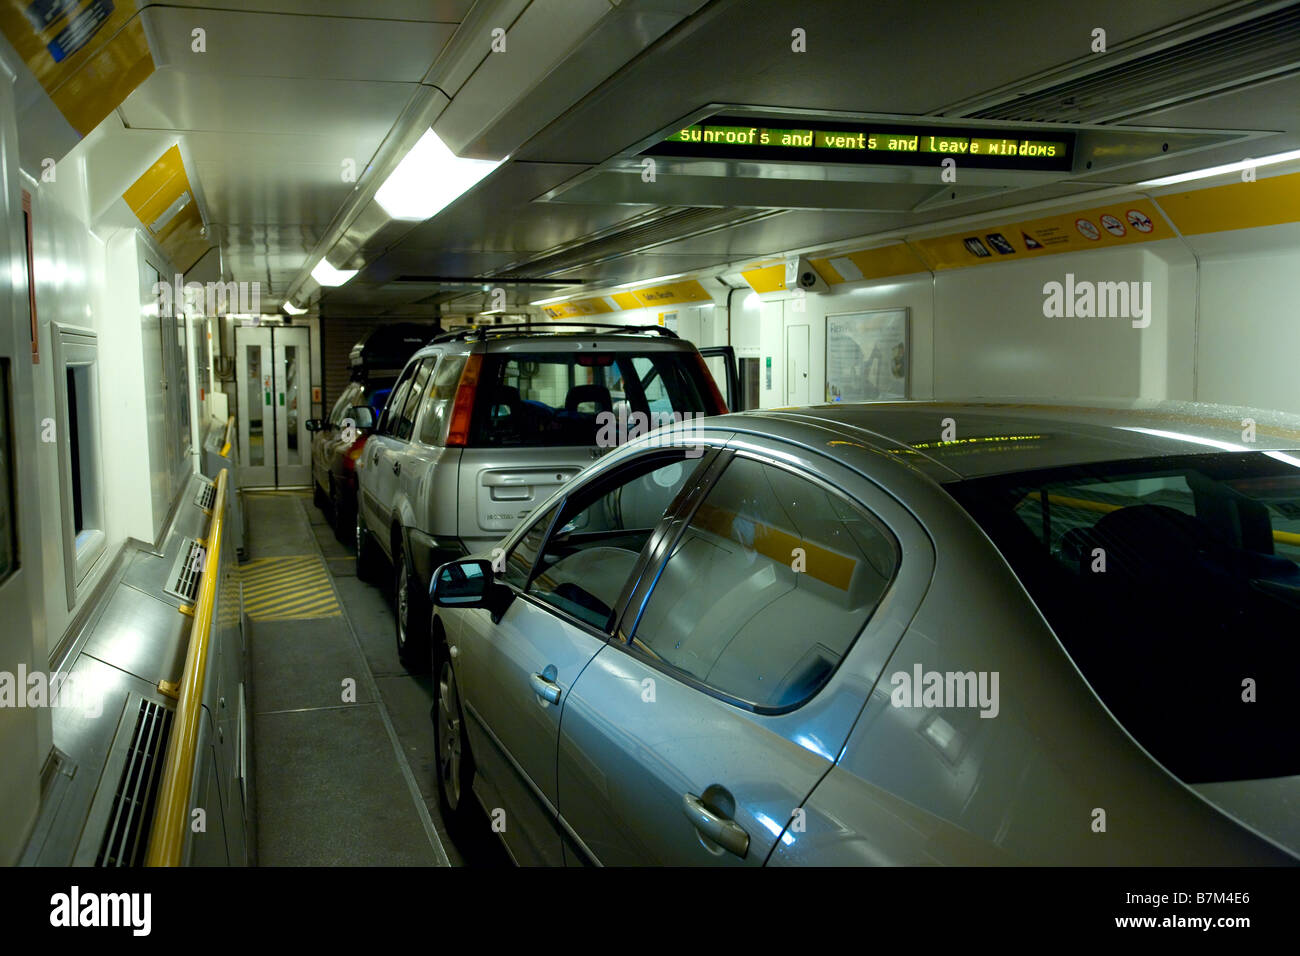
(1174, 583)
(559, 398)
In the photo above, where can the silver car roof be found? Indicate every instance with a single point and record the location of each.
(991, 438)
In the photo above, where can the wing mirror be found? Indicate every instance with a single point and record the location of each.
(363, 416)
(314, 424)
(469, 583)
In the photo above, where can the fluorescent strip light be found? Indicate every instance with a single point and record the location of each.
(291, 308)
(1220, 170)
(428, 179)
(327, 275)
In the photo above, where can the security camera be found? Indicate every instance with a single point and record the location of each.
(799, 274)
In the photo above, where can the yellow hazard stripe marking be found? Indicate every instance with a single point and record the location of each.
(294, 587)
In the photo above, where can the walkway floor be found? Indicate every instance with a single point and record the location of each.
(342, 741)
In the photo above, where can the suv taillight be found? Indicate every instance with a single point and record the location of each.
(462, 410)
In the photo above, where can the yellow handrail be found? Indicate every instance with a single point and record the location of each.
(230, 424)
(171, 813)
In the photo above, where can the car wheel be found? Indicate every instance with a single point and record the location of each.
(411, 615)
(455, 764)
(365, 545)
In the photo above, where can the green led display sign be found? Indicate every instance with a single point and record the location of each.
(874, 145)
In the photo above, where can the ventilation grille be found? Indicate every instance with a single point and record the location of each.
(661, 228)
(1236, 55)
(185, 572)
(127, 836)
(205, 496)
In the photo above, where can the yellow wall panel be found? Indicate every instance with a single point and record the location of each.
(1265, 202)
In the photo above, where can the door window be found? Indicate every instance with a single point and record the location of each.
(406, 424)
(601, 531)
(393, 410)
(771, 582)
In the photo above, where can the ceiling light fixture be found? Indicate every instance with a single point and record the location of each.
(428, 179)
(327, 275)
(1220, 170)
(291, 308)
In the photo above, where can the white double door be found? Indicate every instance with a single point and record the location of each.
(274, 378)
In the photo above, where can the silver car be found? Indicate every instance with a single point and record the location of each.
(484, 424)
(905, 633)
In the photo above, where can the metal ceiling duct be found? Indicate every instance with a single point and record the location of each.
(655, 228)
(1232, 52)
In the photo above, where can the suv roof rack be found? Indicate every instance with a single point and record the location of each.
(482, 332)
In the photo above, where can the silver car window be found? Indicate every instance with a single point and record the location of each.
(602, 531)
(766, 553)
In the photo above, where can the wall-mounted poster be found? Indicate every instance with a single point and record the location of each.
(866, 356)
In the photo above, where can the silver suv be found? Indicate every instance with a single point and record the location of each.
(484, 424)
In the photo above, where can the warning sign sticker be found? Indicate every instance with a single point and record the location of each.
(1087, 229)
(1112, 225)
(1030, 241)
(1139, 220)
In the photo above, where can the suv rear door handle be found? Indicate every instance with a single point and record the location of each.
(397, 467)
(728, 834)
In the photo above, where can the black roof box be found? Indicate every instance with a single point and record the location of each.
(386, 348)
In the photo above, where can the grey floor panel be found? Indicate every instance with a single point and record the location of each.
(277, 526)
(331, 794)
(329, 544)
(409, 700)
(371, 615)
(299, 664)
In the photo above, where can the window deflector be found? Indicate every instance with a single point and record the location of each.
(581, 498)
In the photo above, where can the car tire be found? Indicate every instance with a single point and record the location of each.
(453, 762)
(410, 616)
(365, 543)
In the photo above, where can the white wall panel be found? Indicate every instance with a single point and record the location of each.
(1249, 337)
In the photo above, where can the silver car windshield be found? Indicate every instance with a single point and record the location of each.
(1174, 583)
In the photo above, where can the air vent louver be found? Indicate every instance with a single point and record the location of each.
(1236, 55)
(205, 496)
(186, 571)
(127, 836)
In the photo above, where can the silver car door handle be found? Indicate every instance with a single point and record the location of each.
(547, 690)
(728, 834)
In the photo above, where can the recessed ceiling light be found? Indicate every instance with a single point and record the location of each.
(327, 275)
(428, 179)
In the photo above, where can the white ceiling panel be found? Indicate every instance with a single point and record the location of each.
(272, 44)
(228, 103)
(446, 11)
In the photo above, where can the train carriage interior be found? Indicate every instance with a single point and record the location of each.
(468, 433)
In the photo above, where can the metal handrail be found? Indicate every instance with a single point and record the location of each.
(171, 814)
(230, 425)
